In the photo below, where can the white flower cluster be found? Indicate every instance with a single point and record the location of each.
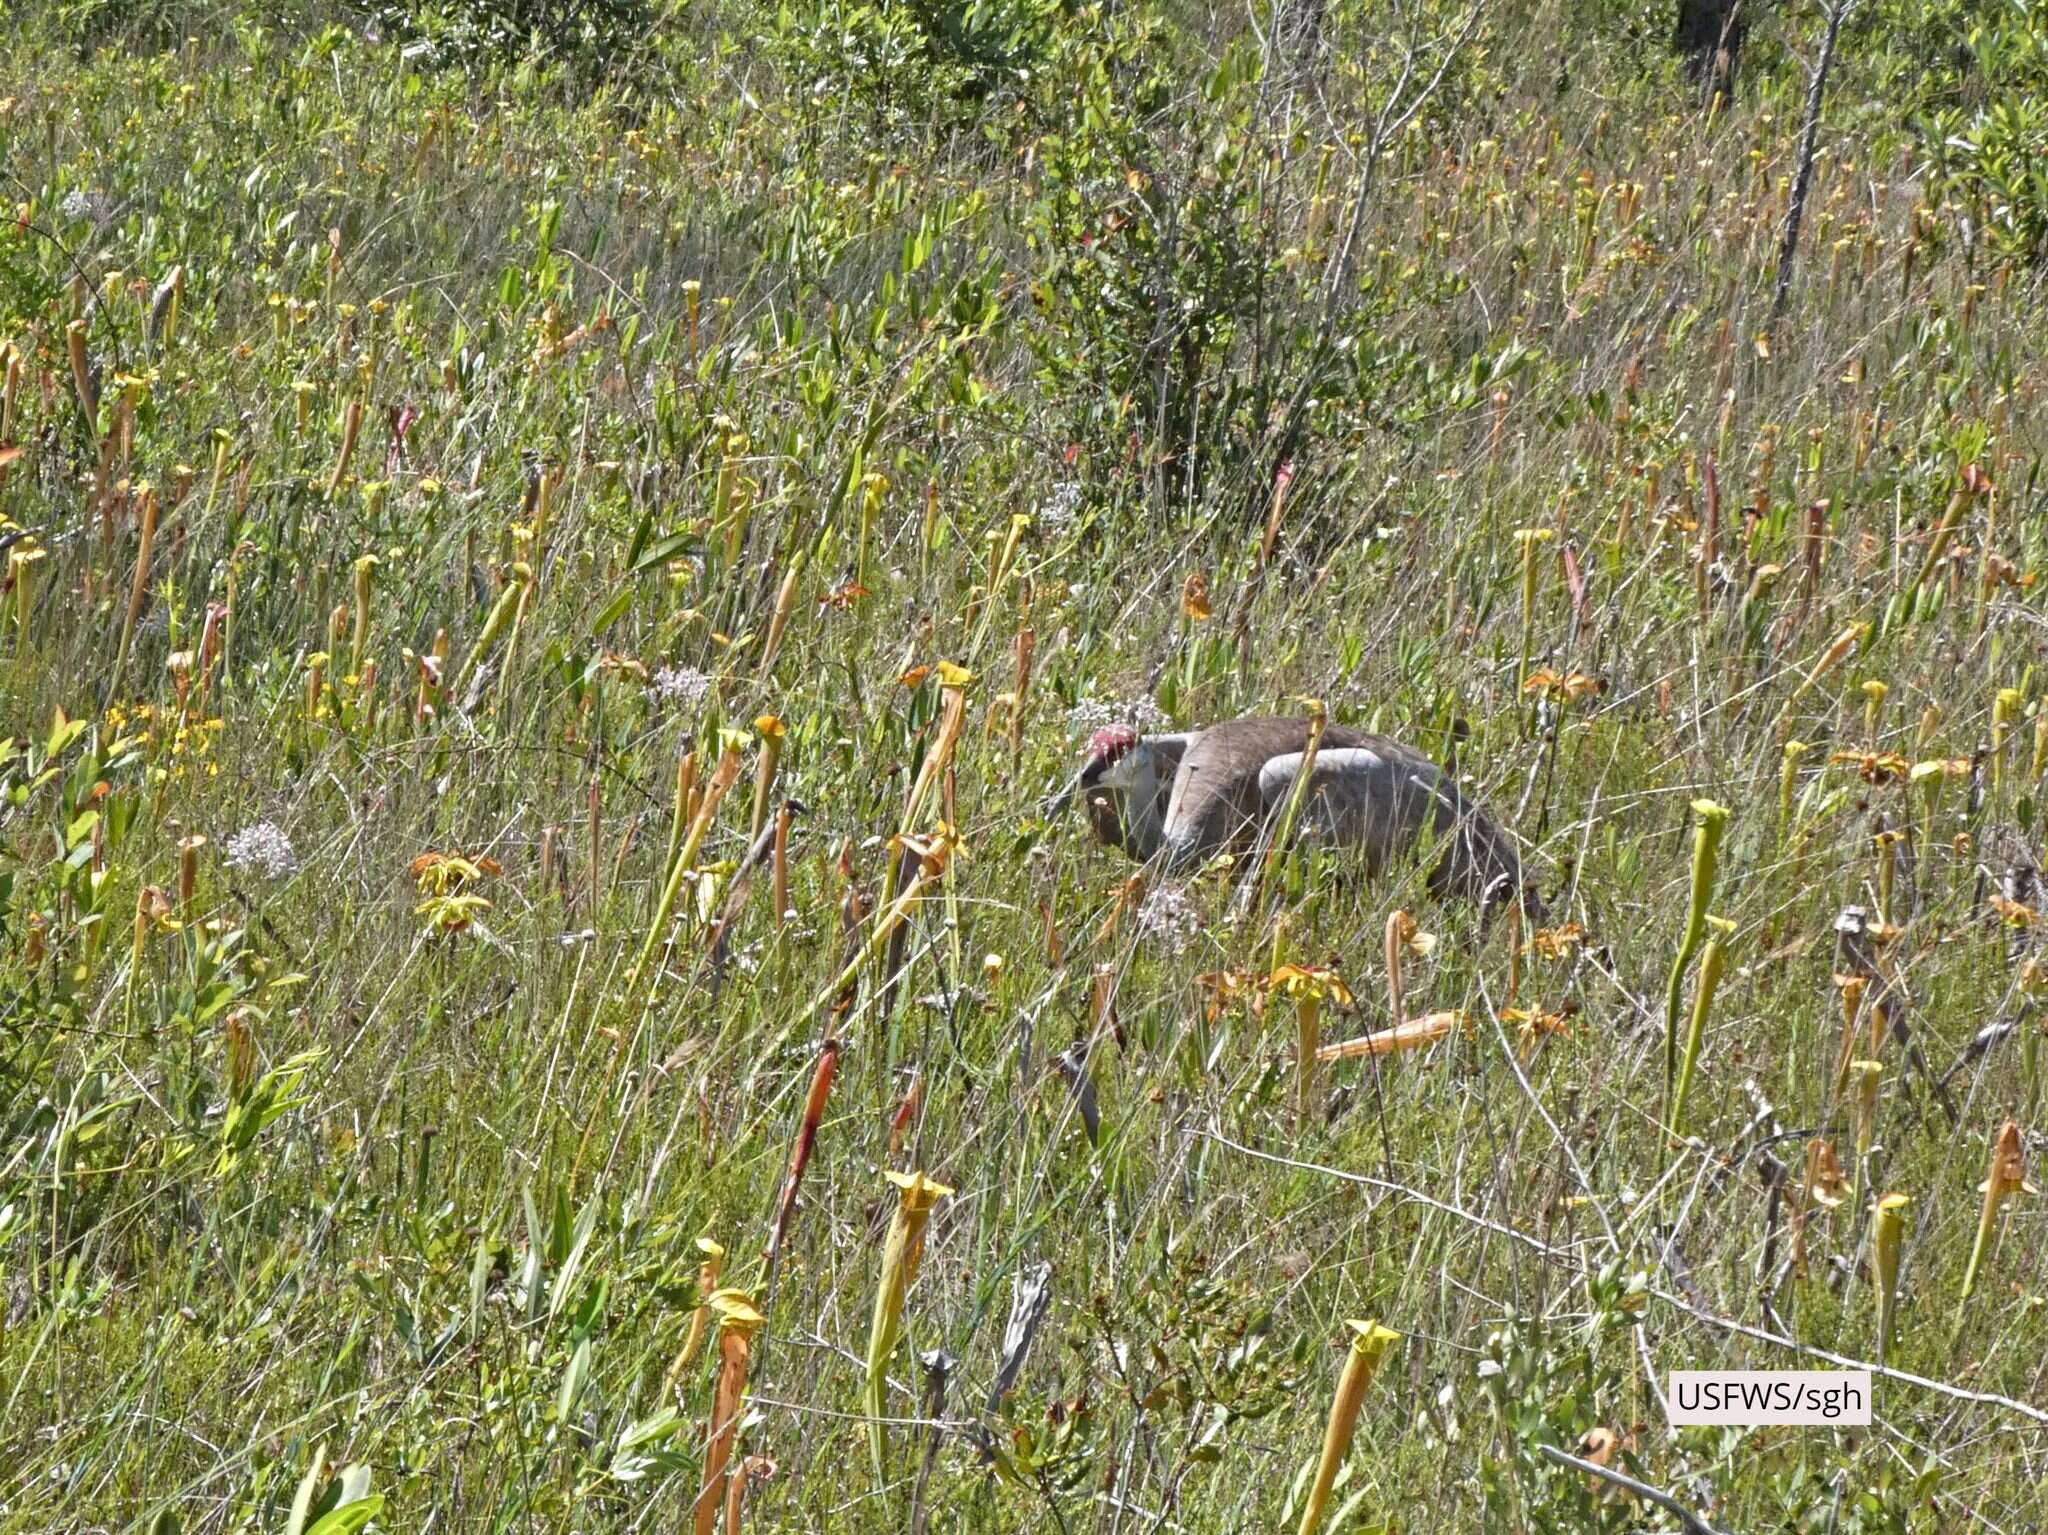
(1091, 714)
(1057, 509)
(680, 685)
(1169, 916)
(79, 203)
(263, 850)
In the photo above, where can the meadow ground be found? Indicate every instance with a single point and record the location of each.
(468, 486)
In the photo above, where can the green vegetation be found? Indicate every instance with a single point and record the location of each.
(553, 550)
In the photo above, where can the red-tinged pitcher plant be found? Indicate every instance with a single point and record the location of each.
(188, 872)
(800, 1158)
(738, 1321)
(1369, 1344)
(902, 1256)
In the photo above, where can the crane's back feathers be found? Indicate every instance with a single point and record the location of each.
(1185, 798)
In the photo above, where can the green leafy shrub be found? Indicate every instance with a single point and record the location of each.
(593, 38)
(1998, 159)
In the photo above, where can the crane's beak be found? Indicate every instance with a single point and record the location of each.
(1058, 803)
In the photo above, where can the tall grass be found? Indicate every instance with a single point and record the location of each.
(409, 452)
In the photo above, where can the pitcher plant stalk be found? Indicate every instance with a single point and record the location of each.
(785, 604)
(2005, 709)
(1369, 1344)
(681, 812)
(359, 640)
(1297, 794)
(1830, 658)
(1852, 988)
(1788, 779)
(1399, 927)
(953, 684)
(1706, 849)
(1712, 960)
(145, 544)
(1970, 483)
(351, 429)
(722, 779)
(1530, 539)
(1887, 1241)
(1412, 1035)
(1308, 986)
(779, 865)
(1866, 1077)
(495, 624)
(902, 1256)
(770, 731)
(709, 1271)
(1874, 692)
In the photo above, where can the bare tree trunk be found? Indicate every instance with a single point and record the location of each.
(1709, 36)
(1816, 89)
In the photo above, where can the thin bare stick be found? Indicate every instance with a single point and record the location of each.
(1691, 1522)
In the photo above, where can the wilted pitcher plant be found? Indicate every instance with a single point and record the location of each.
(2008, 1175)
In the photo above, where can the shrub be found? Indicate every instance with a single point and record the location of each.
(1990, 153)
(593, 38)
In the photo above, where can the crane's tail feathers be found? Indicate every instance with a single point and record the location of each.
(1482, 863)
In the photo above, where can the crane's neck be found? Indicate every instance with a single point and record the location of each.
(1145, 803)
(1138, 790)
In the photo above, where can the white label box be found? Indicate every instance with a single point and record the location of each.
(1815, 1398)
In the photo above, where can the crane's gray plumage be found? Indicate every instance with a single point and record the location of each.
(1184, 798)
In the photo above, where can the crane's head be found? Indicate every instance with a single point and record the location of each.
(1107, 748)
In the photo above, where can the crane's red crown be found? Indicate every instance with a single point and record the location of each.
(1109, 744)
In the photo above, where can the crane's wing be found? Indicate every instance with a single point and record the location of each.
(1382, 799)
(1215, 801)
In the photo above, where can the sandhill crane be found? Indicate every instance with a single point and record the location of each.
(1182, 798)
